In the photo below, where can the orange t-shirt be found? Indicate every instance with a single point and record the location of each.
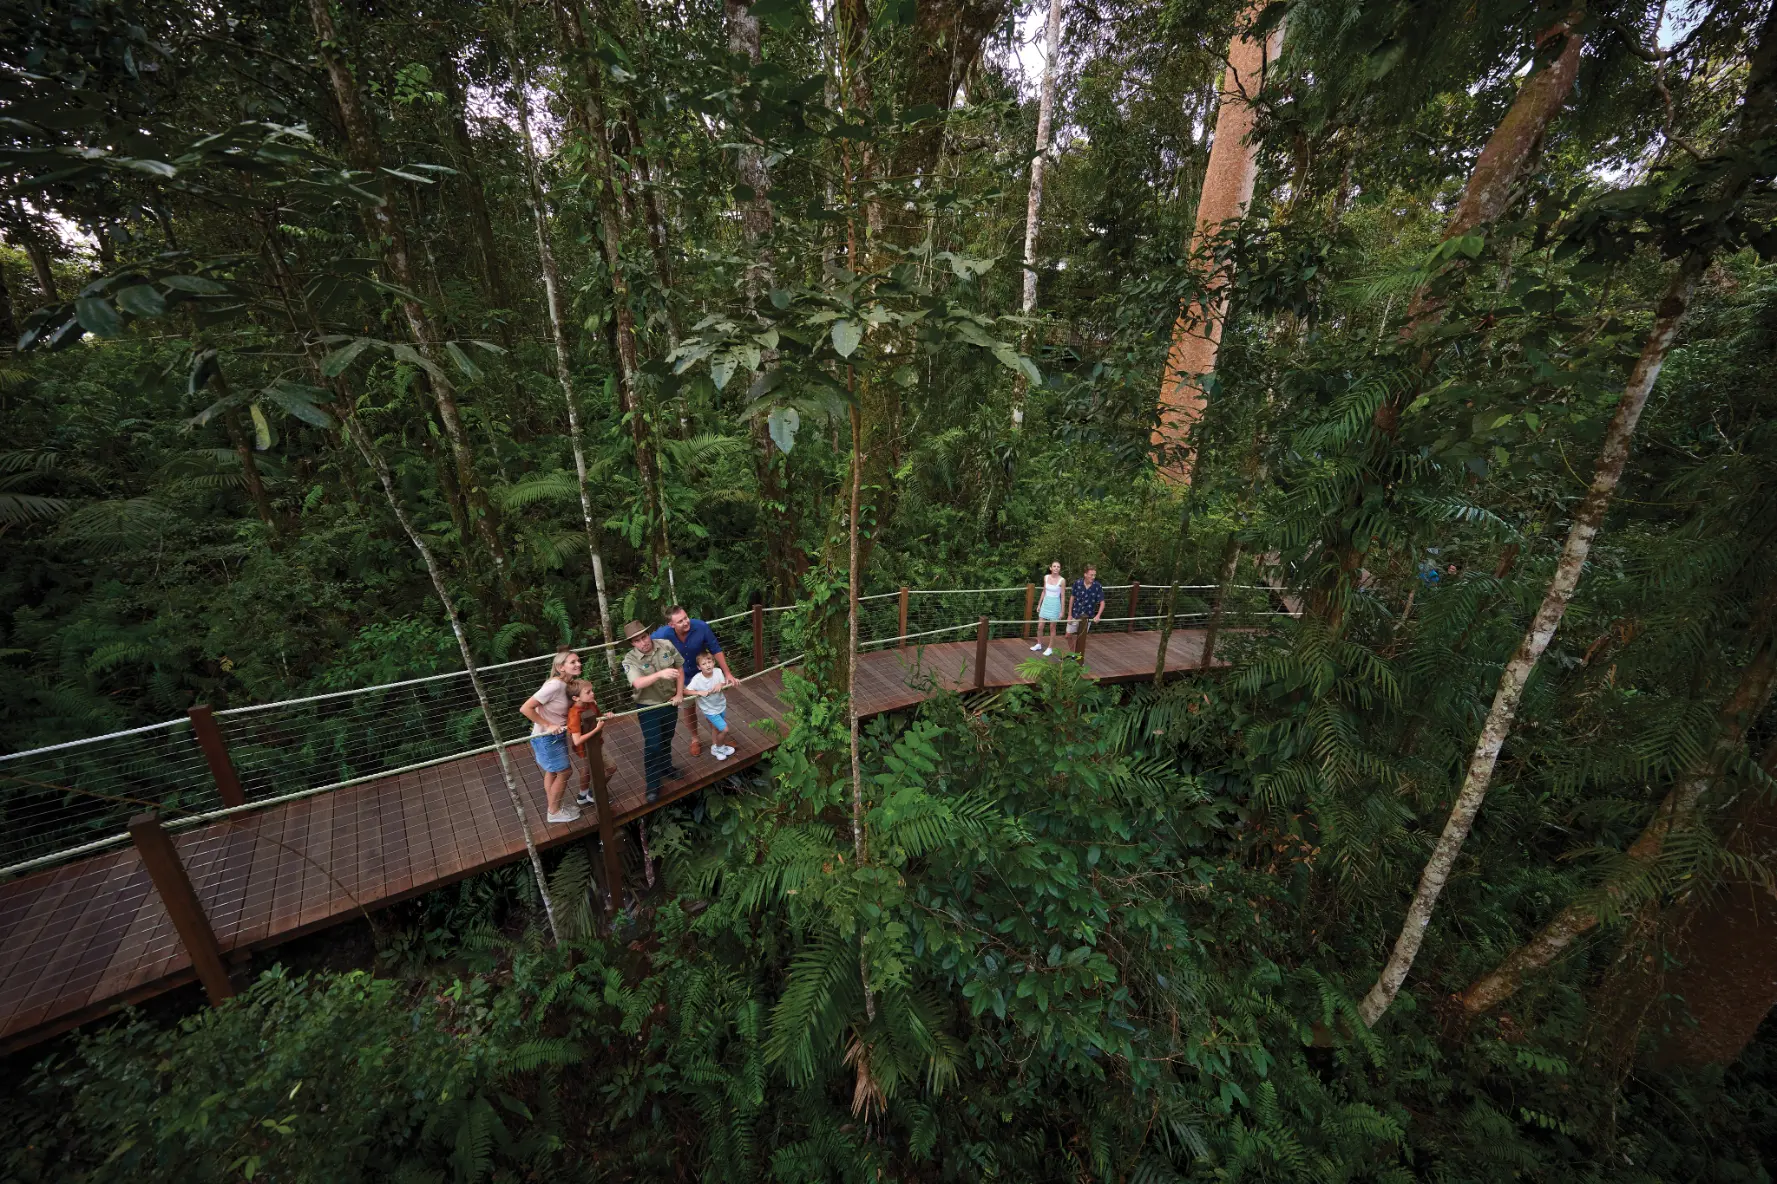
(576, 724)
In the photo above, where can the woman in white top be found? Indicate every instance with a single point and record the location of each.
(1049, 610)
(548, 712)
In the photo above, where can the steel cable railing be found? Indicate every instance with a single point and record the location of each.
(76, 798)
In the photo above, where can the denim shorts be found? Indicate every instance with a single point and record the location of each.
(551, 752)
(717, 721)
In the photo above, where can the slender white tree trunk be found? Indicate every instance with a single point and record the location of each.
(1612, 457)
(851, 681)
(558, 334)
(374, 458)
(1033, 208)
(1045, 114)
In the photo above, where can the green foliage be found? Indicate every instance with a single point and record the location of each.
(1071, 931)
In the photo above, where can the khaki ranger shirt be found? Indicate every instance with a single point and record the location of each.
(639, 665)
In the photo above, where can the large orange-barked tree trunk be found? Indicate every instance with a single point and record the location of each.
(1227, 191)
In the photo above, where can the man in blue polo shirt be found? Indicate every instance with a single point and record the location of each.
(1087, 601)
(692, 637)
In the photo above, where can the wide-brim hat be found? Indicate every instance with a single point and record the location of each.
(634, 630)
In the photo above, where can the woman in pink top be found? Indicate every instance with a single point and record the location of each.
(548, 712)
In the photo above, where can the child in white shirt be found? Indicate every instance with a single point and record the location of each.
(706, 686)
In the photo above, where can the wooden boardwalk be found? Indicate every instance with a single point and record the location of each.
(88, 937)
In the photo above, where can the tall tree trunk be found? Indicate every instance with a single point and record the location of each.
(107, 248)
(364, 149)
(1676, 813)
(374, 458)
(481, 222)
(1727, 980)
(42, 268)
(611, 234)
(552, 297)
(303, 318)
(851, 679)
(651, 209)
(243, 450)
(756, 222)
(9, 329)
(1224, 577)
(1033, 206)
(1503, 161)
(1586, 522)
(1227, 191)
(1758, 114)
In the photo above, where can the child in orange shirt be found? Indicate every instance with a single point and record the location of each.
(583, 724)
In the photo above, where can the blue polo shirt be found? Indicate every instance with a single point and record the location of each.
(700, 640)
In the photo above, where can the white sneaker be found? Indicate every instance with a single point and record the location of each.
(720, 754)
(571, 814)
(1048, 651)
(1036, 647)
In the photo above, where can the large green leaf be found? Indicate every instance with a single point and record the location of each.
(142, 300)
(341, 359)
(470, 370)
(196, 284)
(413, 357)
(304, 402)
(264, 435)
(96, 315)
(782, 424)
(847, 334)
(1016, 362)
(722, 368)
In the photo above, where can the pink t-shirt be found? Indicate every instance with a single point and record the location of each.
(552, 704)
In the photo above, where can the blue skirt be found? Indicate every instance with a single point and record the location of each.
(1051, 606)
(551, 752)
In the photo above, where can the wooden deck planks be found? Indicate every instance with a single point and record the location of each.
(234, 865)
(128, 889)
(93, 932)
(66, 941)
(254, 921)
(33, 942)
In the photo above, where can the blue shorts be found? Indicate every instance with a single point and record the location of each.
(551, 752)
(717, 721)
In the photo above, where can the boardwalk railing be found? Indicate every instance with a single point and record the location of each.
(67, 800)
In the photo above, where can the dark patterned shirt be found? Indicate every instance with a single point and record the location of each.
(1088, 599)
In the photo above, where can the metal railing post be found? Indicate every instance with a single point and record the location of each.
(215, 750)
(759, 662)
(1134, 604)
(981, 654)
(1030, 600)
(184, 909)
(906, 593)
(601, 797)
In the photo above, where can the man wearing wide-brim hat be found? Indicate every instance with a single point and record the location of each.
(659, 684)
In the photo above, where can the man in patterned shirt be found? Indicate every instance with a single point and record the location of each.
(1086, 601)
